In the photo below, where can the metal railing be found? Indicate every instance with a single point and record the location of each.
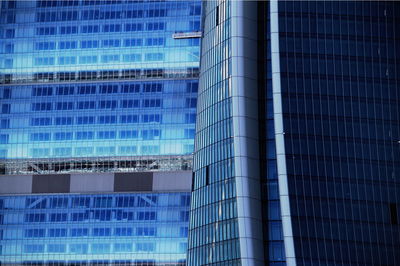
(100, 75)
(96, 164)
(187, 35)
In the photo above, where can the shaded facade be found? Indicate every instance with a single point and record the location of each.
(326, 136)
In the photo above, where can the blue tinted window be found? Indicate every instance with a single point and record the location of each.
(89, 28)
(67, 45)
(85, 120)
(84, 135)
(42, 91)
(65, 90)
(126, 119)
(134, 27)
(109, 88)
(87, 89)
(107, 119)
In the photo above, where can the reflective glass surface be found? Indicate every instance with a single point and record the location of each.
(340, 88)
(214, 233)
(274, 249)
(90, 79)
(107, 229)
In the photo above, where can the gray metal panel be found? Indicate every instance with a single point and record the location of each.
(244, 90)
(172, 181)
(51, 183)
(92, 182)
(15, 184)
(133, 182)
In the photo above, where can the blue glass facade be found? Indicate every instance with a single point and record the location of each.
(89, 87)
(328, 132)
(274, 250)
(97, 79)
(340, 100)
(213, 198)
(226, 222)
(89, 229)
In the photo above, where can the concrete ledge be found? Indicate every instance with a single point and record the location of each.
(172, 181)
(97, 182)
(103, 182)
(15, 184)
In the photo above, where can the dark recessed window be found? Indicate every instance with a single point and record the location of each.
(217, 16)
(207, 175)
(393, 213)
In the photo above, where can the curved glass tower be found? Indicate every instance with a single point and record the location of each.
(321, 124)
(226, 221)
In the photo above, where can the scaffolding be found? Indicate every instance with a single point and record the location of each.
(187, 35)
(96, 165)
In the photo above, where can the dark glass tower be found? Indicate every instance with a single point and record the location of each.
(326, 141)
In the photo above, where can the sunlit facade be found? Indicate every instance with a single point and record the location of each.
(95, 229)
(97, 80)
(97, 115)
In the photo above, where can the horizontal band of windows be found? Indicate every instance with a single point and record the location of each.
(102, 215)
(192, 72)
(66, 30)
(79, 232)
(194, 9)
(336, 14)
(110, 58)
(191, 86)
(99, 201)
(109, 163)
(329, 77)
(82, 120)
(336, 37)
(333, 117)
(94, 14)
(106, 104)
(331, 57)
(146, 134)
(97, 248)
(103, 151)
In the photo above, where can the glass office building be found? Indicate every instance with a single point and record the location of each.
(97, 115)
(312, 92)
(94, 229)
(110, 84)
(225, 225)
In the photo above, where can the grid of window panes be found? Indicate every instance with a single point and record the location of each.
(274, 250)
(340, 85)
(97, 78)
(107, 229)
(100, 119)
(213, 236)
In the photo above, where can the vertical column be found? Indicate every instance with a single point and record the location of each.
(279, 137)
(245, 129)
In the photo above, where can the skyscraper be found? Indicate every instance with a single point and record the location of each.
(297, 141)
(98, 106)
